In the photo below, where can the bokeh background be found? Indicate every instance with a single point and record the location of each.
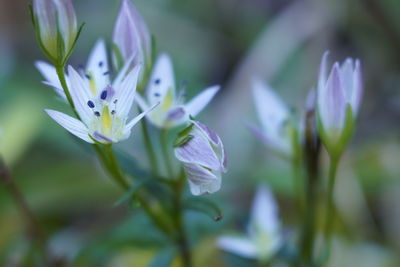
(225, 42)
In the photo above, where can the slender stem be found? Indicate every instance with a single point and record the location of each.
(149, 148)
(182, 242)
(33, 229)
(330, 204)
(61, 77)
(165, 151)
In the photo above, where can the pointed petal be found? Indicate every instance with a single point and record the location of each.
(161, 81)
(332, 102)
(272, 112)
(264, 213)
(135, 120)
(80, 94)
(201, 180)
(48, 71)
(323, 71)
(241, 246)
(71, 124)
(67, 23)
(122, 73)
(198, 103)
(98, 67)
(126, 92)
(357, 92)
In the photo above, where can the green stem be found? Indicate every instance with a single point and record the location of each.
(33, 229)
(151, 155)
(61, 77)
(330, 205)
(165, 151)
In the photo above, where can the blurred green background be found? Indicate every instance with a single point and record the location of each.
(223, 42)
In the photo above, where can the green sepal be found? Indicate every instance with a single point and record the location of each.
(336, 146)
(204, 206)
(78, 34)
(184, 136)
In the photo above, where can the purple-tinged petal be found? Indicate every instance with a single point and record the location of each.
(332, 102)
(67, 23)
(357, 92)
(197, 104)
(323, 70)
(102, 138)
(198, 150)
(176, 114)
(211, 135)
(71, 124)
(201, 180)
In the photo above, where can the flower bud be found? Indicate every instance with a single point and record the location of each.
(203, 157)
(131, 36)
(338, 102)
(56, 27)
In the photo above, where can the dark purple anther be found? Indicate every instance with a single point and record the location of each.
(101, 64)
(87, 76)
(157, 81)
(90, 104)
(106, 73)
(103, 95)
(157, 94)
(97, 113)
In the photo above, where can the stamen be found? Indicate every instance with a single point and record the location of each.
(90, 104)
(106, 73)
(157, 81)
(115, 101)
(96, 113)
(112, 112)
(101, 64)
(157, 94)
(88, 76)
(103, 95)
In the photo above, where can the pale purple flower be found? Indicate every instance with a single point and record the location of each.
(55, 20)
(103, 117)
(339, 97)
(203, 157)
(274, 115)
(264, 236)
(172, 110)
(131, 35)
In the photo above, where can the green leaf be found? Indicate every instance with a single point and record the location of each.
(131, 192)
(204, 206)
(164, 258)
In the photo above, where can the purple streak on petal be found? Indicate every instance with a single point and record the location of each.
(198, 151)
(201, 180)
(176, 114)
(102, 138)
(212, 136)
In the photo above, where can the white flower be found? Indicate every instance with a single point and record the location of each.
(203, 157)
(264, 236)
(277, 130)
(96, 74)
(161, 88)
(103, 117)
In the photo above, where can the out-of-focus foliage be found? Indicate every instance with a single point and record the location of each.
(223, 42)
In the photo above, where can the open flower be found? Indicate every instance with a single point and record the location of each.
(203, 156)
(56, 26)
(338, 102)
(264, 236)
(96, 74)
(103, 117)
(172, 110)
(131, 35)
(278, 131)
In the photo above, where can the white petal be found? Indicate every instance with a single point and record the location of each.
(241, 246)
(323, 71)
(98, 67)
(72, 125)
(80, 94)
(198, 103)
(264, 212)
(126, 92)
(272, 112)
(135, 120)
(201, 180)
(48, 71)
(161, 81)
(357, 92)
(122, 73)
